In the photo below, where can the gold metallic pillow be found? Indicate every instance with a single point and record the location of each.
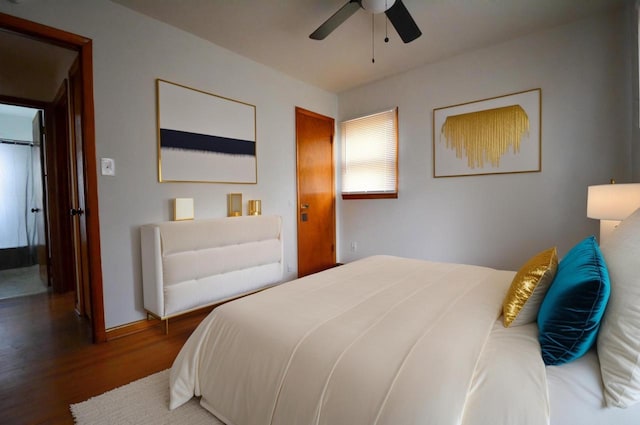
(528, 289)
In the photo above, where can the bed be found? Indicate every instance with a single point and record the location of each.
(389, 340)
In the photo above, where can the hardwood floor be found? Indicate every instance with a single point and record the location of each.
(47, 360)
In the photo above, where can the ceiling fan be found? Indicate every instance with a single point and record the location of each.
(395, 10)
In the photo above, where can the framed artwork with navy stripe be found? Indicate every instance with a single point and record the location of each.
(203, 137)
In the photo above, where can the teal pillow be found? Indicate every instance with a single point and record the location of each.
(570, 315)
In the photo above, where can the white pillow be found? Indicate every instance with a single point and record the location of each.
(619, 337)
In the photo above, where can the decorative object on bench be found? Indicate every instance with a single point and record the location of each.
(183, 209)
(187, 265)
(234, 204)
(255, 207)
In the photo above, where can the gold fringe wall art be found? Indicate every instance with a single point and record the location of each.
(486, 136)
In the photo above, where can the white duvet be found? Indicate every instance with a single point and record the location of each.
(383, 340)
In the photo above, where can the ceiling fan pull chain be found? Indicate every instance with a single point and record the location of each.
(373, 49)
(386, 24)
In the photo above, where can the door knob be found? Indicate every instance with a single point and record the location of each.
(78, 211)
(304, 216)
(35, 210)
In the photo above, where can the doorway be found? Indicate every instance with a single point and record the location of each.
(88, 226)
(316, 192)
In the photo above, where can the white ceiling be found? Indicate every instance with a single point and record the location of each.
(276, 32)
(32, 66)
(32, 54)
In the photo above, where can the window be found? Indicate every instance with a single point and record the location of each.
(370, 156)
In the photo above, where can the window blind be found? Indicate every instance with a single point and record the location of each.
(370, 154)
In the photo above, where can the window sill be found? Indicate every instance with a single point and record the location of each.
(370, 195)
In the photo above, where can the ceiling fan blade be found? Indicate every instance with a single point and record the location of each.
(335, 20)
(403, 22)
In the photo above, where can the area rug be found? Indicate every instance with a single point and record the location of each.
(142, 402)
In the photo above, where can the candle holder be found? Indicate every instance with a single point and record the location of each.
(255, 207)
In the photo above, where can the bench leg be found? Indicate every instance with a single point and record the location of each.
(165, 322)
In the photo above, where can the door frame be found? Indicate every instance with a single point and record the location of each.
(84, 47)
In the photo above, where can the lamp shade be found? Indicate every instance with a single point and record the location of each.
(613, 201)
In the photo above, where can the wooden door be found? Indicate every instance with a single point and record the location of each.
(39, 200)
(83, 293)
(316, 192)
(58, 195)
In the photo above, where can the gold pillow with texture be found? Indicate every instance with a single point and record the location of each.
(528, 288)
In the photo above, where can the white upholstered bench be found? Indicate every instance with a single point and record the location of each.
(187, 265)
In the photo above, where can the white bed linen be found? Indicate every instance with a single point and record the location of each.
(509, 385)
(383, 340)
(577, 397)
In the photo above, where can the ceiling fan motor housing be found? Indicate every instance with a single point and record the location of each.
(376, 6)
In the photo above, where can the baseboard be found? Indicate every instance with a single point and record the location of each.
(132, 328)
(153, 321)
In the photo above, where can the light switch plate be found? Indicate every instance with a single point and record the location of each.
(108, 167)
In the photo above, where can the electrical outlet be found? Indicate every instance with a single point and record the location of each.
(354, 246)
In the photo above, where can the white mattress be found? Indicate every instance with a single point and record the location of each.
(576, 396)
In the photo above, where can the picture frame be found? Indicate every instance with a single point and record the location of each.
(183, 209)
(203, 137)
(498, 135)
(234, 204)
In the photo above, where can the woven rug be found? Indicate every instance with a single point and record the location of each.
(142, 402)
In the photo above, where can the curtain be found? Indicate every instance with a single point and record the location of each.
(19, 187)
(33, 210)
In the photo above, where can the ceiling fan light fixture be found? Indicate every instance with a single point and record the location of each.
(377, 6)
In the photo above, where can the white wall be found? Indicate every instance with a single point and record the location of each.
(492, 220)
(130, 52)
(633, 54)
(16, 127)
(501, 220)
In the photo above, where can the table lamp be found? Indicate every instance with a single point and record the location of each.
(612, 203)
